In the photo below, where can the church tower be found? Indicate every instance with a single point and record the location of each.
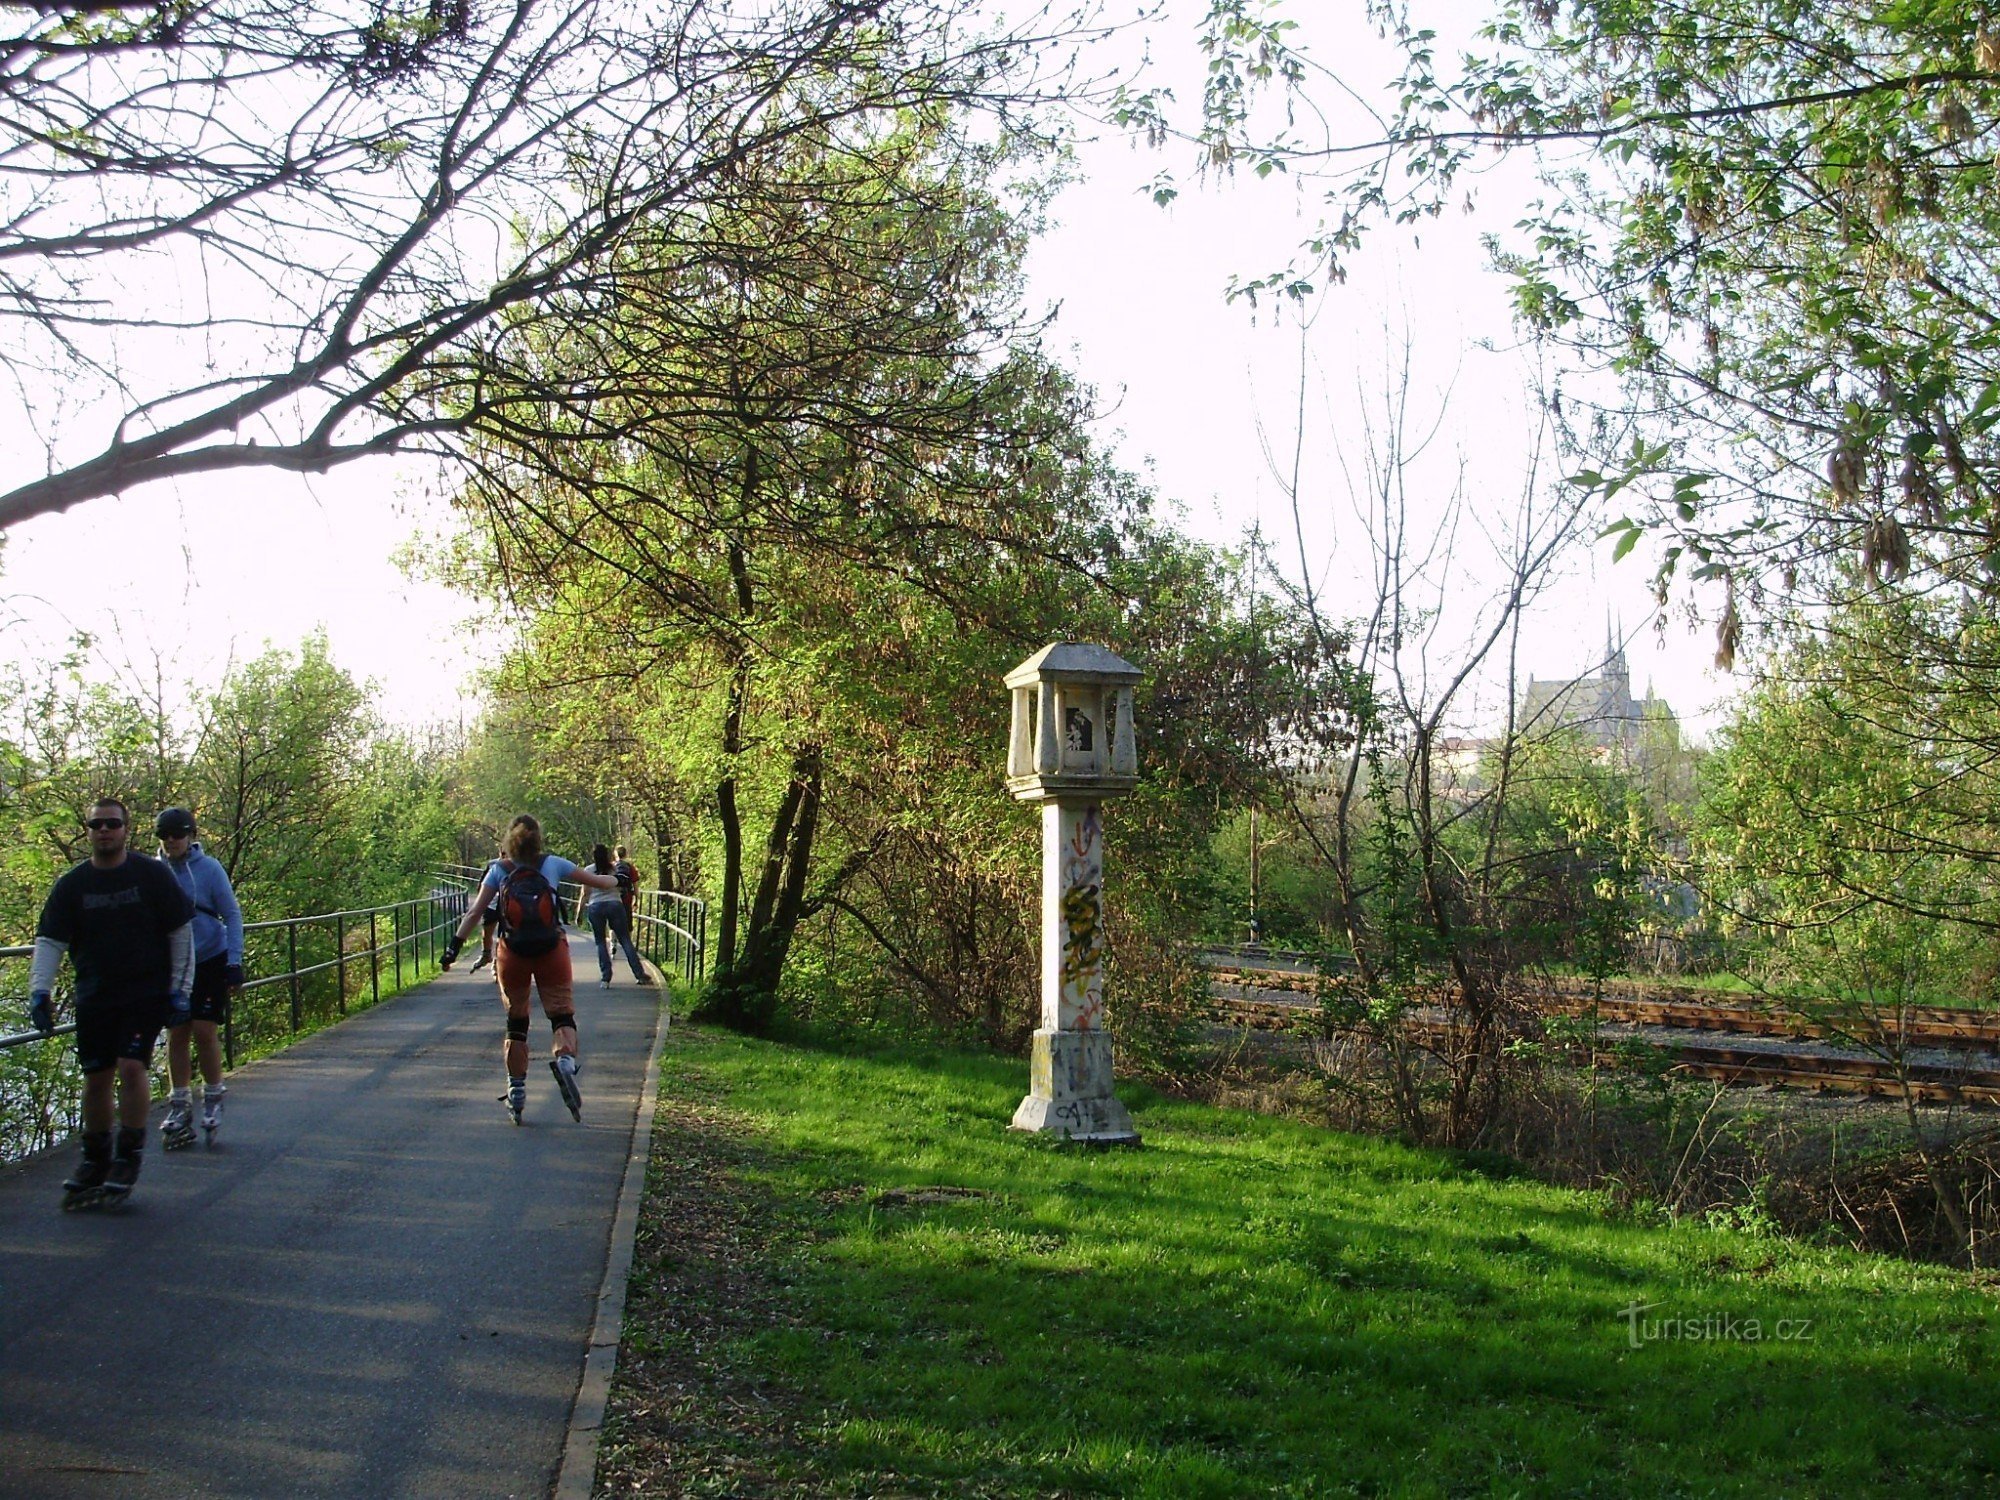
(1617, 676)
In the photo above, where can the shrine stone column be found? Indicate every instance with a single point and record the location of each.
(1072, 749)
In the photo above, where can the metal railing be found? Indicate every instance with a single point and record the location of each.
(669, 929)
(317, 963)
(304, 971)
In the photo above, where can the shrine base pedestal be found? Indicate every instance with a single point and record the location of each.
(1069, 1090)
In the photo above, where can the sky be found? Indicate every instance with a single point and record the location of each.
(1198, 394)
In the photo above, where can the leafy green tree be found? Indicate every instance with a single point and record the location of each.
(294, 784)
(80, 738)
(296, 788)
(273, 774)
(523, 756)
(813, 392)
(1846, 832)
(400, 814)
(1857, 786)
(832, 492)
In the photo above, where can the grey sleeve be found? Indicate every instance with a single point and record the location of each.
(42, 970)
(180, 959)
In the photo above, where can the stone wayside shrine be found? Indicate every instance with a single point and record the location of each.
(1072, 750)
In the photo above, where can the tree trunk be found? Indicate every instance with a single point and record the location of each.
(725, 792)
(746, 997)
(731, 821)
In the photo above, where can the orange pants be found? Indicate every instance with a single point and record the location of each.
(549, 974)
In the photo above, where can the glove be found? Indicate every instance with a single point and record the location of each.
(451, 946)
(233, 977)
(180, 1009)
(41, 1015)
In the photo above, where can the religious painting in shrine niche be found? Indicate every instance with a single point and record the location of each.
(1077, 733)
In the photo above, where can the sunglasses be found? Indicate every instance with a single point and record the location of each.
(176, 833)
(97, 823)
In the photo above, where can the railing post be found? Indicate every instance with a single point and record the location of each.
(292, 945)
(374, 959)
(396, 945)
(340, 958)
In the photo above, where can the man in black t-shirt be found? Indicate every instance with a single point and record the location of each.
(124, 921)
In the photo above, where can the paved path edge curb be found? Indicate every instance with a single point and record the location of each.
(578, 1471)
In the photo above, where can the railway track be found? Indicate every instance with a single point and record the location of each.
(1949, 1056)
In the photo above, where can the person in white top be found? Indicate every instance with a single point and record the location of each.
(608, 913)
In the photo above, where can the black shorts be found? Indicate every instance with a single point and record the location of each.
(210, 996)
(107, 1030)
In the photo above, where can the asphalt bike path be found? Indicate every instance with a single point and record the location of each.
(373, 1284)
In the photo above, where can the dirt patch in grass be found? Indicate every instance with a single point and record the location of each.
(919, 1197)
(684, 1417)
(689, 1414)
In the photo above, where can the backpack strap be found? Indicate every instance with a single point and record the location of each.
(194, 896)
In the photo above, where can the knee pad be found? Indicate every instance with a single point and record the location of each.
(567, 1018)
(517, 1028)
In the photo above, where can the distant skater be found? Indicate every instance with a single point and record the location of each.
(628, 877)
(611, 912)
(488, 920)
(218, 976)
(531, 953)
(128, 929)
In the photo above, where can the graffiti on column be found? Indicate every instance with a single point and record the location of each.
(1083, 921)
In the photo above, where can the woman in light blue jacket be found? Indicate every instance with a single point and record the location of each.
(218, 975)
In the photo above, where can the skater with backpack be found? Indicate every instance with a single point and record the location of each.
(218, 975)
(532, 952)
(610, 911)
(628, 877)
(126, 925)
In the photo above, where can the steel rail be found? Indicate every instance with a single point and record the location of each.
(409, 937)
(1879, 1077)
(1925, 1025)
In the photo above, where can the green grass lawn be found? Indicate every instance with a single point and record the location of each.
(1249, 1306)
